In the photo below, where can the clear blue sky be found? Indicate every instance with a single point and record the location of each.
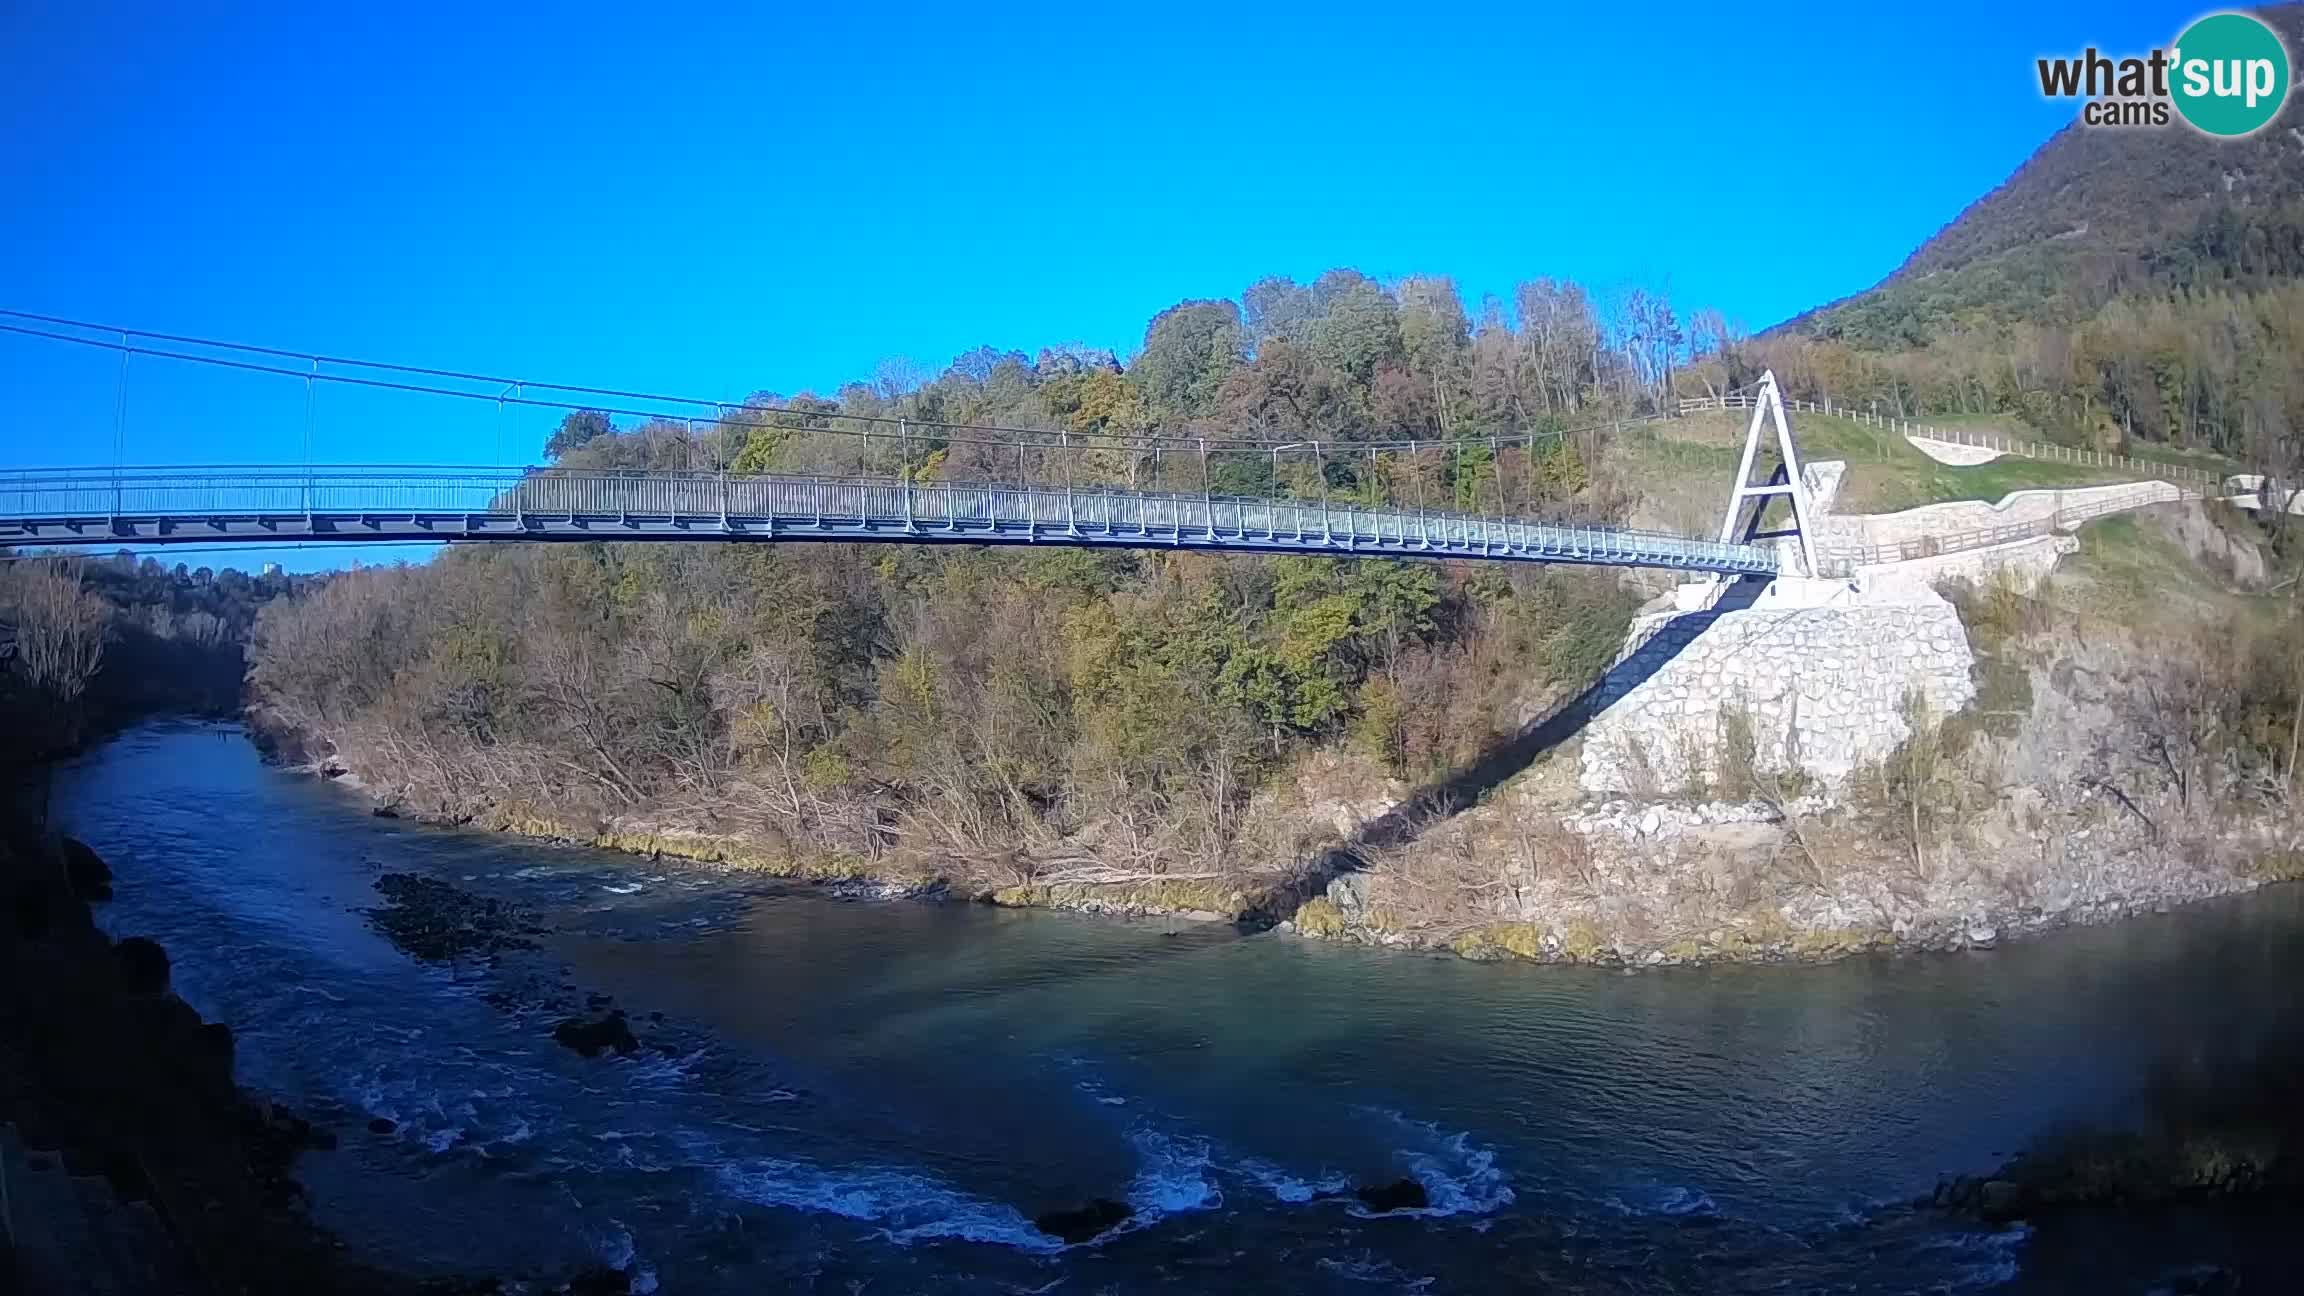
(665, 199)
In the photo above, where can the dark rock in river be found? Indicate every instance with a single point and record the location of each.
(213, 1044)
(88, 874)
(435, 921)
(2200, 1280)
(599, 1282)
(1402, 1194)
(1090, 1221)
(2214, 1128)
(1999, 1201)
(143, 966)
(596, 1037)
(382, 1126)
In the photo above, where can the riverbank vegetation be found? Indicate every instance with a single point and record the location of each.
(86, 645)
(1003, 718)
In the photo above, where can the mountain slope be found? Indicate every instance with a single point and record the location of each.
(2096, 213)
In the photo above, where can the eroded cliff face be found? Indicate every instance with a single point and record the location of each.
(2065, 771)
(1934, 753)
(1628, 883)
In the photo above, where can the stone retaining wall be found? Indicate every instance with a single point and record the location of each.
(1824, 687)
(2022, 565)
(1956, 516)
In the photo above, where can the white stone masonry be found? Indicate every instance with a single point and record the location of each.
(1824, 685)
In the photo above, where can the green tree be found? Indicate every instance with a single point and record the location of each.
(1359, 331)
(578, 429)
(1187, 351)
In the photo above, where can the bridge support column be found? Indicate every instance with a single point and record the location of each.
(1786, 481)
(904, 435)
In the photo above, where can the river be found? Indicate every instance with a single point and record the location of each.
(855, 1095)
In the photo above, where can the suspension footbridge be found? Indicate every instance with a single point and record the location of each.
(401, 504)
(868, 478)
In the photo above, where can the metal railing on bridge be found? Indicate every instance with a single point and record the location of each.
(143, 506)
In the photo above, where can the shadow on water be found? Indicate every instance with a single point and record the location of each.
(2200, 1194)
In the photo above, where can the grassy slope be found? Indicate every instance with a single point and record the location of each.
(2204, 459)
(1682, 468)
(2015, 429)
(2133, 570)
(2126, 568)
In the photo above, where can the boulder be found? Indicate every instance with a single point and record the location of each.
(1399, 1195)
(437, 922)
(86, 871)
(1999, 1201)
(1086, 1223)
(1349, 893)
(213, 1049)
(592, 1038)
(34, 909)
(599, 1281)
(143, 966)
(1992, 1200)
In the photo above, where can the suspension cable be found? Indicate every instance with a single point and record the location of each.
(310, 365)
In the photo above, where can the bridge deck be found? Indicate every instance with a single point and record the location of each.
(148, 506)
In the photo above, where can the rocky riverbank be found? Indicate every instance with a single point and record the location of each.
(1011, 880)
(2048, 801)
(1561, 879)
(173, 1179)
(2090, 778)
(2218, 1132)
(1627, 884)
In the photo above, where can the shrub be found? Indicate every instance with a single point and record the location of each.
(1319, 916)
(1519, 939)
(1581, 940)
(2277, 866)
(1738, 776)
(1996, 613)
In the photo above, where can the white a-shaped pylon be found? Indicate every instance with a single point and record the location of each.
(1786, 480)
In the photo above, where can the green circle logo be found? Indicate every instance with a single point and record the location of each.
(2228, 74)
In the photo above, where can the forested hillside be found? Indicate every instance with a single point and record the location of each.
(1006, 705)
(2123, 284)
